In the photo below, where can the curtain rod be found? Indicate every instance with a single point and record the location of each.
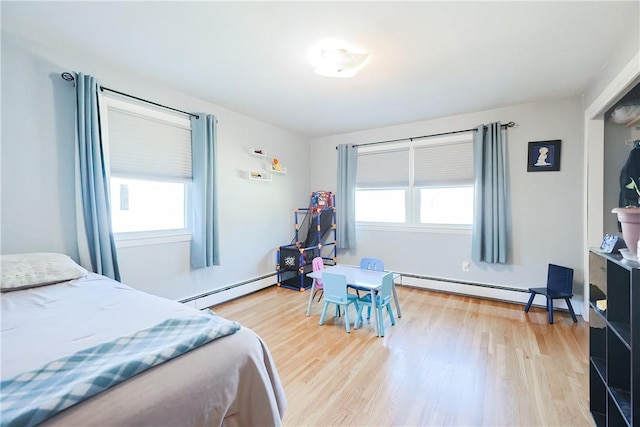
(69, 77)
(507, 125)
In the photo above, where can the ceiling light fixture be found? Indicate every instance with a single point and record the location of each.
(333, 58)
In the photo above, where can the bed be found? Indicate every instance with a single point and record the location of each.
(221, 378)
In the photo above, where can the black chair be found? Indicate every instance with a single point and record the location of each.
(559, 285)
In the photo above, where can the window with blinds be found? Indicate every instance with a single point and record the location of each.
(150, 167)
(383, 169)
(148, 147)
(443, 164)
(422, 182)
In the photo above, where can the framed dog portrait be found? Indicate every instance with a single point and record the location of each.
(544, 156)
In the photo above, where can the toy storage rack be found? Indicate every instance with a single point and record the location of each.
(297, 279)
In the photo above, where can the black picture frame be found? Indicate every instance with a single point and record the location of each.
(544, 156)
(612, 244)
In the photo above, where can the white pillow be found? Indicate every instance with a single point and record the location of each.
(21, 271)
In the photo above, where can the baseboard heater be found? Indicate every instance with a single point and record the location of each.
(227, 293)
(460, 282)
(482, 290)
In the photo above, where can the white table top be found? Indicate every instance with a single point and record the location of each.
(355, 276)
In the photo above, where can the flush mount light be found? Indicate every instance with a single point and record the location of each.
(333, 58)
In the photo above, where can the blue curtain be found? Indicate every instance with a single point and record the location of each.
(205, 250)
(489, 233)
(96, 244)
(346, 196)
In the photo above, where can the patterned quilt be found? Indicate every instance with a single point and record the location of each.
(31, 397)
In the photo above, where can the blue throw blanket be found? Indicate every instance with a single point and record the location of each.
(32, 397)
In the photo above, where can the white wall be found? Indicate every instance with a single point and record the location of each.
(546, 207)
(38, 179)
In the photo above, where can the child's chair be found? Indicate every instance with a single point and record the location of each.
(335, 292)
(317, 265)
(371, 264)
(383, 299)
(374, 264)
(559, 286)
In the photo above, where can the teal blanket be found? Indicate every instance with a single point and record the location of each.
(31, 397)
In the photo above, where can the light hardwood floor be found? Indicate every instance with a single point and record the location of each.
(450, 360)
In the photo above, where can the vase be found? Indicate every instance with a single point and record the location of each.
(630, 220)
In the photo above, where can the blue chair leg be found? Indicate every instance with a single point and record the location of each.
(528, 306)
(550, 310)
(346, 319)
(324, 312)
(573, 314)
(356, 325)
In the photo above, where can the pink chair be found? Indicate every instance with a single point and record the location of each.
(318, 265)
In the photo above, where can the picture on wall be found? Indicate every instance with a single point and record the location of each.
(544, 156)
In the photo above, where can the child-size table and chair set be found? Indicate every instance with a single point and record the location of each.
(379, 291)
(370, 278)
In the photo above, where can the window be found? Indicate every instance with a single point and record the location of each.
(447, 205)
(382, 182)
(150, 166)
(381, 205)
(426, 183)
(139, 205)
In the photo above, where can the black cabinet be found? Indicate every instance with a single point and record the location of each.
(614, 340)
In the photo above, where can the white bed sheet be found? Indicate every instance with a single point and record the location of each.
(42, 324)
(47, 323)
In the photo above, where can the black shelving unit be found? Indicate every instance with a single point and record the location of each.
(614, 340)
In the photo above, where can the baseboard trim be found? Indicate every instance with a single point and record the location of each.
(227, 293)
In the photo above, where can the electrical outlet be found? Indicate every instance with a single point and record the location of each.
(466, 265)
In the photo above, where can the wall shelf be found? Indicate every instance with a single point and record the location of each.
(258, 152)
(259, 176)
(283, 171)
(633, 121)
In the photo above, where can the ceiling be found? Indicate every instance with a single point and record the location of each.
(427, 59)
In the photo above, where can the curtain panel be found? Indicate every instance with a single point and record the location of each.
(346, 196)
(205, 250)
(489, 231)
(96, 243)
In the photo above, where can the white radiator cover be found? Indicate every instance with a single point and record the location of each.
(485, 291)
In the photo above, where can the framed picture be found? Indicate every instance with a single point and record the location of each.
(612, 244)
(544, 156)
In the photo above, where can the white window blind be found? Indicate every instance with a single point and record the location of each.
(382, 169)
(146, 147)
(443, 164)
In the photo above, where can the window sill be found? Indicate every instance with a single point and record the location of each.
(403, 228)
(129, 240)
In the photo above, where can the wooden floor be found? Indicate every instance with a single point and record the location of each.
(450, 360)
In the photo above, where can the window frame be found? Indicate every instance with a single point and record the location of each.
(146, 237)
(412, 196)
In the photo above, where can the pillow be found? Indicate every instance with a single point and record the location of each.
(22, 271)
